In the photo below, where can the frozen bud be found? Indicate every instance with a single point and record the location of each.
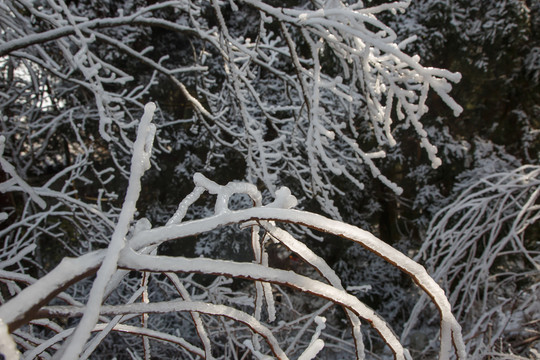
(284, 199)
(141, 225)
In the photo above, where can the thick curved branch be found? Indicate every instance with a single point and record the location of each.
(256, 272)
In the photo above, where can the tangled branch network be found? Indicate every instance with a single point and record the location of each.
(317, 93)
(134, 251)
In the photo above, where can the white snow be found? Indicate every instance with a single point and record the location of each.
(8, 348)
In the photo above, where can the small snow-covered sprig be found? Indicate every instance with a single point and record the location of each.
(16, 179)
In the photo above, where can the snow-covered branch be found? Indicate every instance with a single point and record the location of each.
(312, 96)
(133, 254)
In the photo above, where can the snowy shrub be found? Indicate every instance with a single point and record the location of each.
(481, 248)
